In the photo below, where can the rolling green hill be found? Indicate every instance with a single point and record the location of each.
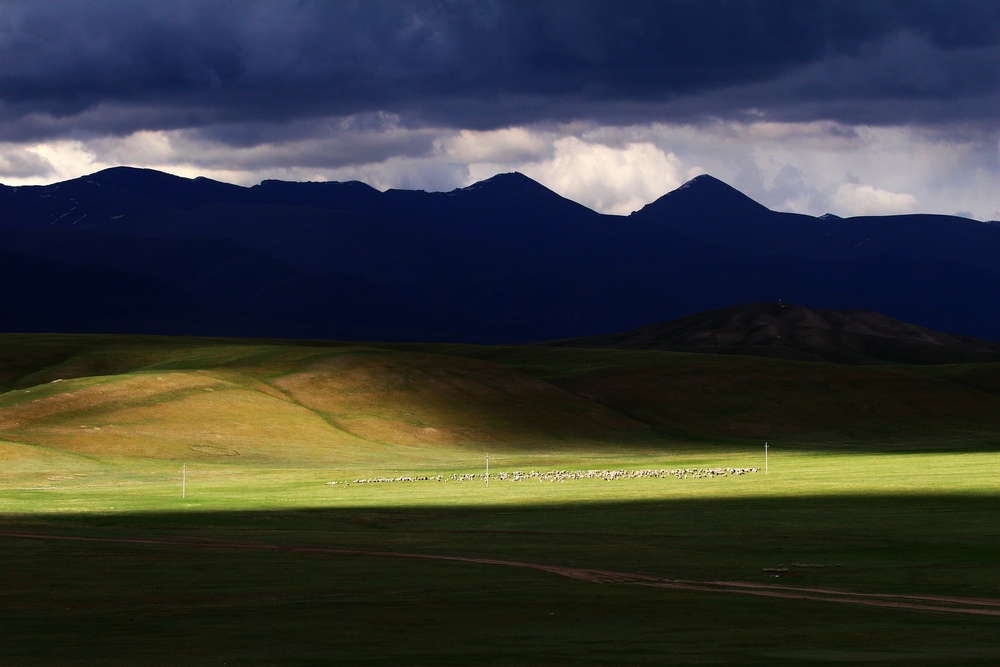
(316, 403)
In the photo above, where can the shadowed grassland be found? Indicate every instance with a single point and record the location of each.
(882, 481)
(216, 585)
(722, 398)
(121, 604)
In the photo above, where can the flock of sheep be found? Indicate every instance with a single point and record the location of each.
(561, 475)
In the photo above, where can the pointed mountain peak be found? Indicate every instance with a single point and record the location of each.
(514, 188)
(703, 195)
(509, 181)
(705, 181)
(705, 187)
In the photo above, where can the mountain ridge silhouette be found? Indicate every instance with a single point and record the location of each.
(502, 260)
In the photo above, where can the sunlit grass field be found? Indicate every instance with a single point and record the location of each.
(129, 486)
(166, 501)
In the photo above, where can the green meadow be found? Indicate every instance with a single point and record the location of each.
(168, 501)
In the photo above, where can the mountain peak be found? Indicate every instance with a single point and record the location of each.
(710, 190)
(143, 184)
(705, 181)
(512, 180)
(703, 196)
(515, 189)
(130, 176)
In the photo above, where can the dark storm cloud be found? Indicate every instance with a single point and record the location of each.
(90, 68)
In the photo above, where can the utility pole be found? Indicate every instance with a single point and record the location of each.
(184, 480)
(487, 470)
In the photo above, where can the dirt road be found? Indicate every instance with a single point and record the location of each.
(931, 603)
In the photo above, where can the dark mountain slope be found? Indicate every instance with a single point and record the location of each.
(715, 212)
(46, 296)
(502, 260)
(507, 210)
(781, 330)
(109, 194)
(75, 280)
(704, 197)
(349, 196)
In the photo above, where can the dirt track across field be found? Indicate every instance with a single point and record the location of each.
(933, 603)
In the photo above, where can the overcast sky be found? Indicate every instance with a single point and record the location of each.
(840, 106)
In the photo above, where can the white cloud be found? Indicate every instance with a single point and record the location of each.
(506, 146)
(607, 178)
(53, 161)
(813, 168)
(861, 199)
(20, 162)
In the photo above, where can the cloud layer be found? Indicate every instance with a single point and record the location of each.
(616, 100)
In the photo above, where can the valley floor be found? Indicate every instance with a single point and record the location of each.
(831, 557)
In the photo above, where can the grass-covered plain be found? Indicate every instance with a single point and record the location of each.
(881, 481)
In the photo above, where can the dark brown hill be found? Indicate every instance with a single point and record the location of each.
(785, 331)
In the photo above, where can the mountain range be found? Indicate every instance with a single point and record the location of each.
(504, 260)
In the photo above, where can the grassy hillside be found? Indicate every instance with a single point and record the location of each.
(286, 403)
(275, 403)
(723, 398)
